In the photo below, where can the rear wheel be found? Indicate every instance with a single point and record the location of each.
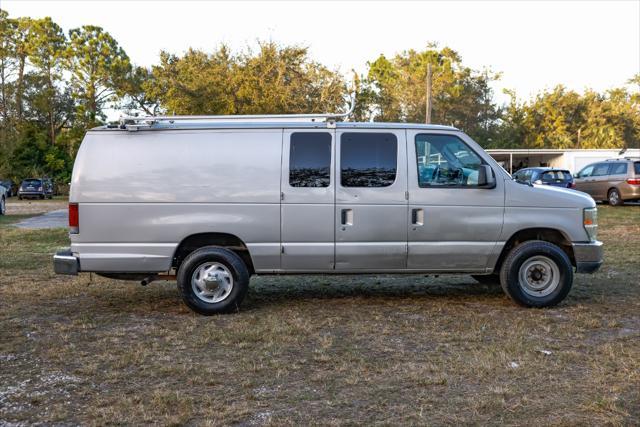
(536, 274)
(614, 197)
(213, 280)
(3, 206)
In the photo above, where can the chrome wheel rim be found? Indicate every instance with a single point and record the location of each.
(614, 197)
(539, 276)
(212, 282)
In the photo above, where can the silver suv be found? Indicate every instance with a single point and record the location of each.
(615, 180)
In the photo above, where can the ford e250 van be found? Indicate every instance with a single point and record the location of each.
(210, 201)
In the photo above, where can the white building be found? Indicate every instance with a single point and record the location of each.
(571, 159)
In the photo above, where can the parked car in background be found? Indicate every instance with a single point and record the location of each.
(8, 187)
(545, 176)
(615, 180)
(39, 188)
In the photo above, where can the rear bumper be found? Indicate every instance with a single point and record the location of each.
(31, 193)
(589, 256)
(64, 262)
(629, 192)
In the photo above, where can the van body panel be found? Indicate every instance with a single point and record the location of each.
(544, 206)
(213, 166)
(160, 223)
(371, 227)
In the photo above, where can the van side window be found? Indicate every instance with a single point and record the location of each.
(601, 169)
(446, 161)
(618, 169)
(585, 172)
(368, 159)
(310, 159)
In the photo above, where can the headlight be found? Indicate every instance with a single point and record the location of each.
(590, 221)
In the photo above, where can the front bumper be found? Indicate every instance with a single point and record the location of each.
(589, 256)
(64, 262)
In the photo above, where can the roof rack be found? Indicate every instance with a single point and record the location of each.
(134, 123)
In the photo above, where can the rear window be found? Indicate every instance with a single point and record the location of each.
(34, 182)
(556, 176)
(636, 166)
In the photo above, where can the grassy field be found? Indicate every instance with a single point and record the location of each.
(318, 350)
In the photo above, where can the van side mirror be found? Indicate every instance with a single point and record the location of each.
(485, 176)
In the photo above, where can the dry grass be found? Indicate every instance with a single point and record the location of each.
(319, 350)
(34, 206)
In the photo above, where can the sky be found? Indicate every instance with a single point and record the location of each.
(534, 44)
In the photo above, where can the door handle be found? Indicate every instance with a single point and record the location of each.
(346, 216)
(417, 216)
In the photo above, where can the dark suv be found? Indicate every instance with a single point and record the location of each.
(545, 176)
(615, 180)
(36, 188)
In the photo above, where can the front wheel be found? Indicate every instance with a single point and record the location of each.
(614, 198)
(536, 274)
(213, 280)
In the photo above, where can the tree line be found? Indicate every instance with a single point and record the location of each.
(57, 84)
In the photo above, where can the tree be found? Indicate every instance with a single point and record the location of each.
(97, 64)
(284, 80)
(21, 41)
(274, 80)
(46, 50)
(196, 83)
(396, 91)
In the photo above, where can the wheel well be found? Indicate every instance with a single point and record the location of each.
(612, 188)
(550, 235)
(224, 240)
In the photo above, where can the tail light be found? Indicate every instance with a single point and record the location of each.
(74, 219)
(39, 188)
(571, 185)
(633, 181)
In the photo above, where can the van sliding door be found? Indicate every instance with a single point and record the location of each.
(371, 204)
(307, 206)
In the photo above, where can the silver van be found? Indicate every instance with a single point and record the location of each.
(211, 201)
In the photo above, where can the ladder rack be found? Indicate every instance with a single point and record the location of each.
(134, 123)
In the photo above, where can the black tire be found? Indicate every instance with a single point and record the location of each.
(487, 279)
(3, 206)
(521, 293)
(228, 259)
(614, 198)
(19, 197)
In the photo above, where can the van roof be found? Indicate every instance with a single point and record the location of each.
(166, 125)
